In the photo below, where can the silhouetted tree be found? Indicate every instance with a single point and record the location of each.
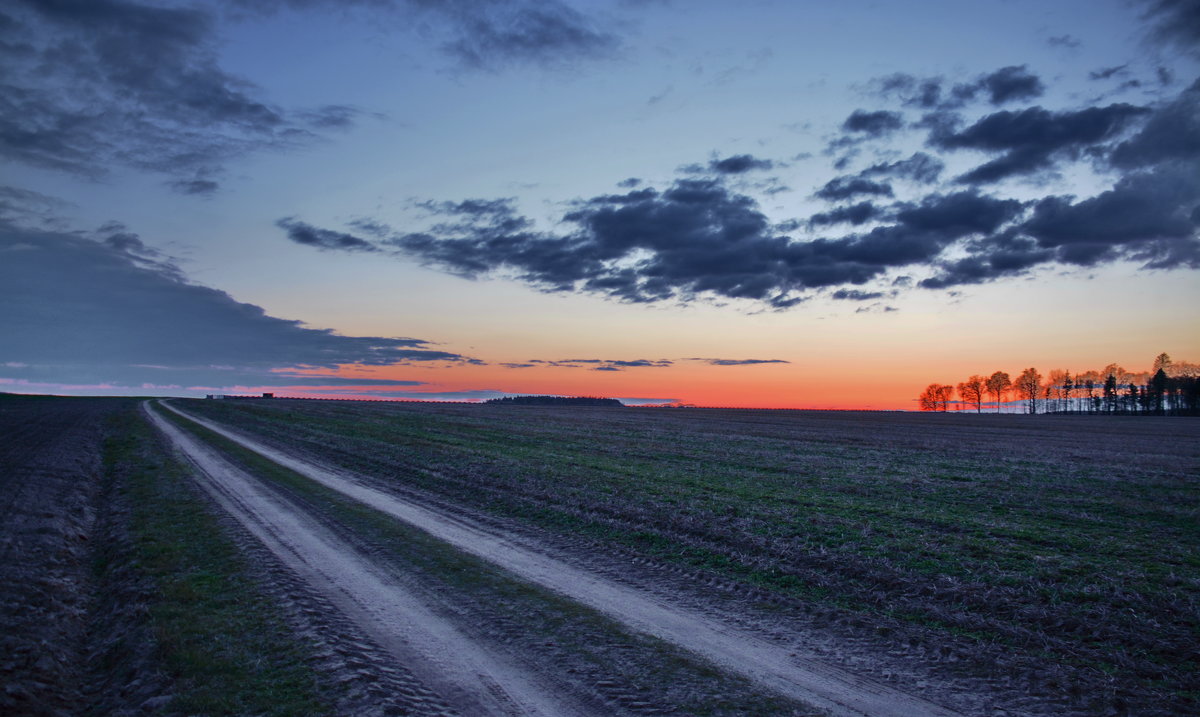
(972, 390)
(1171, 389)
(1054, 387)
(553, 401)
(935, 397)
(1110, 393)
(945, 393)
(928, 400)
(1157, 389)
(1028, 385)
(998, 384)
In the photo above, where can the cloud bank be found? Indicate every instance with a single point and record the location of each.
(700, 238)
(111, 309)
(89, 85)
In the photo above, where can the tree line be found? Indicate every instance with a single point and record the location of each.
(554, 401)
(1169, 388)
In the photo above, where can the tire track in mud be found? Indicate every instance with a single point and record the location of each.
(470, 678)
(771, 666)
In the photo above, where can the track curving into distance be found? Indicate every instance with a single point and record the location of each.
(460, 670)
(733, 650)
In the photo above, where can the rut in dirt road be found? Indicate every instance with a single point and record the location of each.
(775, 668)
(471, 679)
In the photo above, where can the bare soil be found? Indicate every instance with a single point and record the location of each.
(53, 513)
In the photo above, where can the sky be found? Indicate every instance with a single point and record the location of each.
(763, 204)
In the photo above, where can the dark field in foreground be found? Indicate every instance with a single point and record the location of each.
(119, 593)
(1063, 549)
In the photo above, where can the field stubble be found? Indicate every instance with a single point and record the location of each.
(1052, 557)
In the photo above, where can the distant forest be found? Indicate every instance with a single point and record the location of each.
(554, 401)
(1169, 388)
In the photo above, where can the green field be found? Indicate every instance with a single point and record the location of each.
(1061, 549)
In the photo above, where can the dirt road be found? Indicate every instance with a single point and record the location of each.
(364, 592)
(464, 673)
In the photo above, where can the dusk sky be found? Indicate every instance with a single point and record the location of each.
(772, 204)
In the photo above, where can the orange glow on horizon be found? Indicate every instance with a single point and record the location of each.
(847, 386)
(693, 383)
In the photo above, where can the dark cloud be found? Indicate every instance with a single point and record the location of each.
(736, 362)
(873, 124)
(284, 378)
(1011, 83)
(486, 34)
(116, 236)
(1105, 73)
(696, 238)
(1007, 84)
(469, 396)
(990, 258)
(959, 214)
(94, 311)
(193, 378)
(842, 188)
(472, 209)
(28, 208)
(1172, 133)
(307, 234)
(856, 295)
(597, 364)
(370, 226)
(1175, 22)
(862, 126)
(331, 117)
(629, 183)
(174, 380)
(920, 167)
(1146, 215)
(89, 85)
(854, 214)
(1067, 41)
(700, 239)
(92, 84)
(640, 363)
(594, 364)
(491, 35)
(203, 187)
(739, 164)
(1032, 139)
(913, 91)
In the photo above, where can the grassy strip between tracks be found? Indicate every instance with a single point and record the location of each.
(216, 632)
(592, 650)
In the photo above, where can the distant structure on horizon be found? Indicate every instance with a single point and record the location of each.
(554, 401)
(223, 396)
